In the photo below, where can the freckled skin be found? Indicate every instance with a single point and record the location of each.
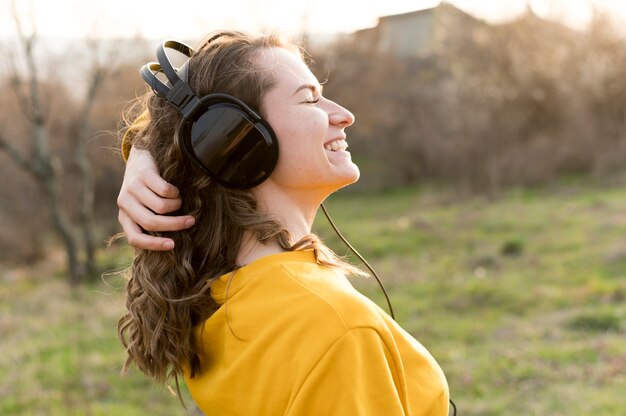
(303, 127)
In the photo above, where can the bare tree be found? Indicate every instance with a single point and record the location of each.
(97, 74)
(43, 165)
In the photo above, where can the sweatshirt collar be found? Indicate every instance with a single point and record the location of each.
(238, 278)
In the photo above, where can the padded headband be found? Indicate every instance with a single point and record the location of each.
(176, 91)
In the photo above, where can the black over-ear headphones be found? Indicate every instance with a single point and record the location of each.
(227, 139)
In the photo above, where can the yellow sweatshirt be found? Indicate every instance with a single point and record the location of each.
(295, 338)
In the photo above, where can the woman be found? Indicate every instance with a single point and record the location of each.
(251, 308)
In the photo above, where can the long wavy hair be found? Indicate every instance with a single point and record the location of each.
(168, 293)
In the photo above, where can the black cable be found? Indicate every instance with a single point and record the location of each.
(356, 253)
(453, 407)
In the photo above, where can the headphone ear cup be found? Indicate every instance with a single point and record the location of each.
(236, 149)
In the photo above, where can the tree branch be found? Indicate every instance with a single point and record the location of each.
(28, 42)
(17, 157)
(15, 82)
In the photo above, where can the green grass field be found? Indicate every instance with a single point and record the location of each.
(521, 299)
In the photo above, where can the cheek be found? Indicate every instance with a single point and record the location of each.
(301, 149)
(300, 132)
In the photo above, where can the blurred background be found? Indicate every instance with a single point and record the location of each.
(491, 137)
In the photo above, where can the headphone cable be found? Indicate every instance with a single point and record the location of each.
(356, 253)
(371, 269)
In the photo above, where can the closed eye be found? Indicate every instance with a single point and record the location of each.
(314, 90)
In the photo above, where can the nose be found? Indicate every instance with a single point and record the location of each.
(339, 116)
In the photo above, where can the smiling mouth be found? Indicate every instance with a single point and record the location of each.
(336, 146)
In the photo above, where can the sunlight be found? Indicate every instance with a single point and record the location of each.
(124, 19)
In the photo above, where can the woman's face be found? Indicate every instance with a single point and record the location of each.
(309, 128)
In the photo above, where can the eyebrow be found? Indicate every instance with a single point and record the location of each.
(311, 87)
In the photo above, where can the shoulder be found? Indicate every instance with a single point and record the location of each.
(314, 309)
(327, 296)
(292, 296)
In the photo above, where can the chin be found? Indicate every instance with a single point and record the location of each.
(355, 177)
(349, 177)
(356, 173)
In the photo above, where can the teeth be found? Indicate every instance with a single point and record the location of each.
(336, 145)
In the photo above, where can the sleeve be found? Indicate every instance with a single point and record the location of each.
(126, 146)
(127, 140)
(355, 376)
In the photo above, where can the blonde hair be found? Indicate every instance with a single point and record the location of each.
(168, 292)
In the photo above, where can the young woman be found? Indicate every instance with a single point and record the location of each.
(253, 310)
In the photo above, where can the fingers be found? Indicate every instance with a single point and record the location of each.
(143, 199)
(159, 186)
(155, 202)
(142, 167)
(138, 239)
(150, 221)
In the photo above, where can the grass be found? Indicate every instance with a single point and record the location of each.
(522, 300)
(59, 353)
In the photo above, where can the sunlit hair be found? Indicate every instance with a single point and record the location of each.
(168, 292)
